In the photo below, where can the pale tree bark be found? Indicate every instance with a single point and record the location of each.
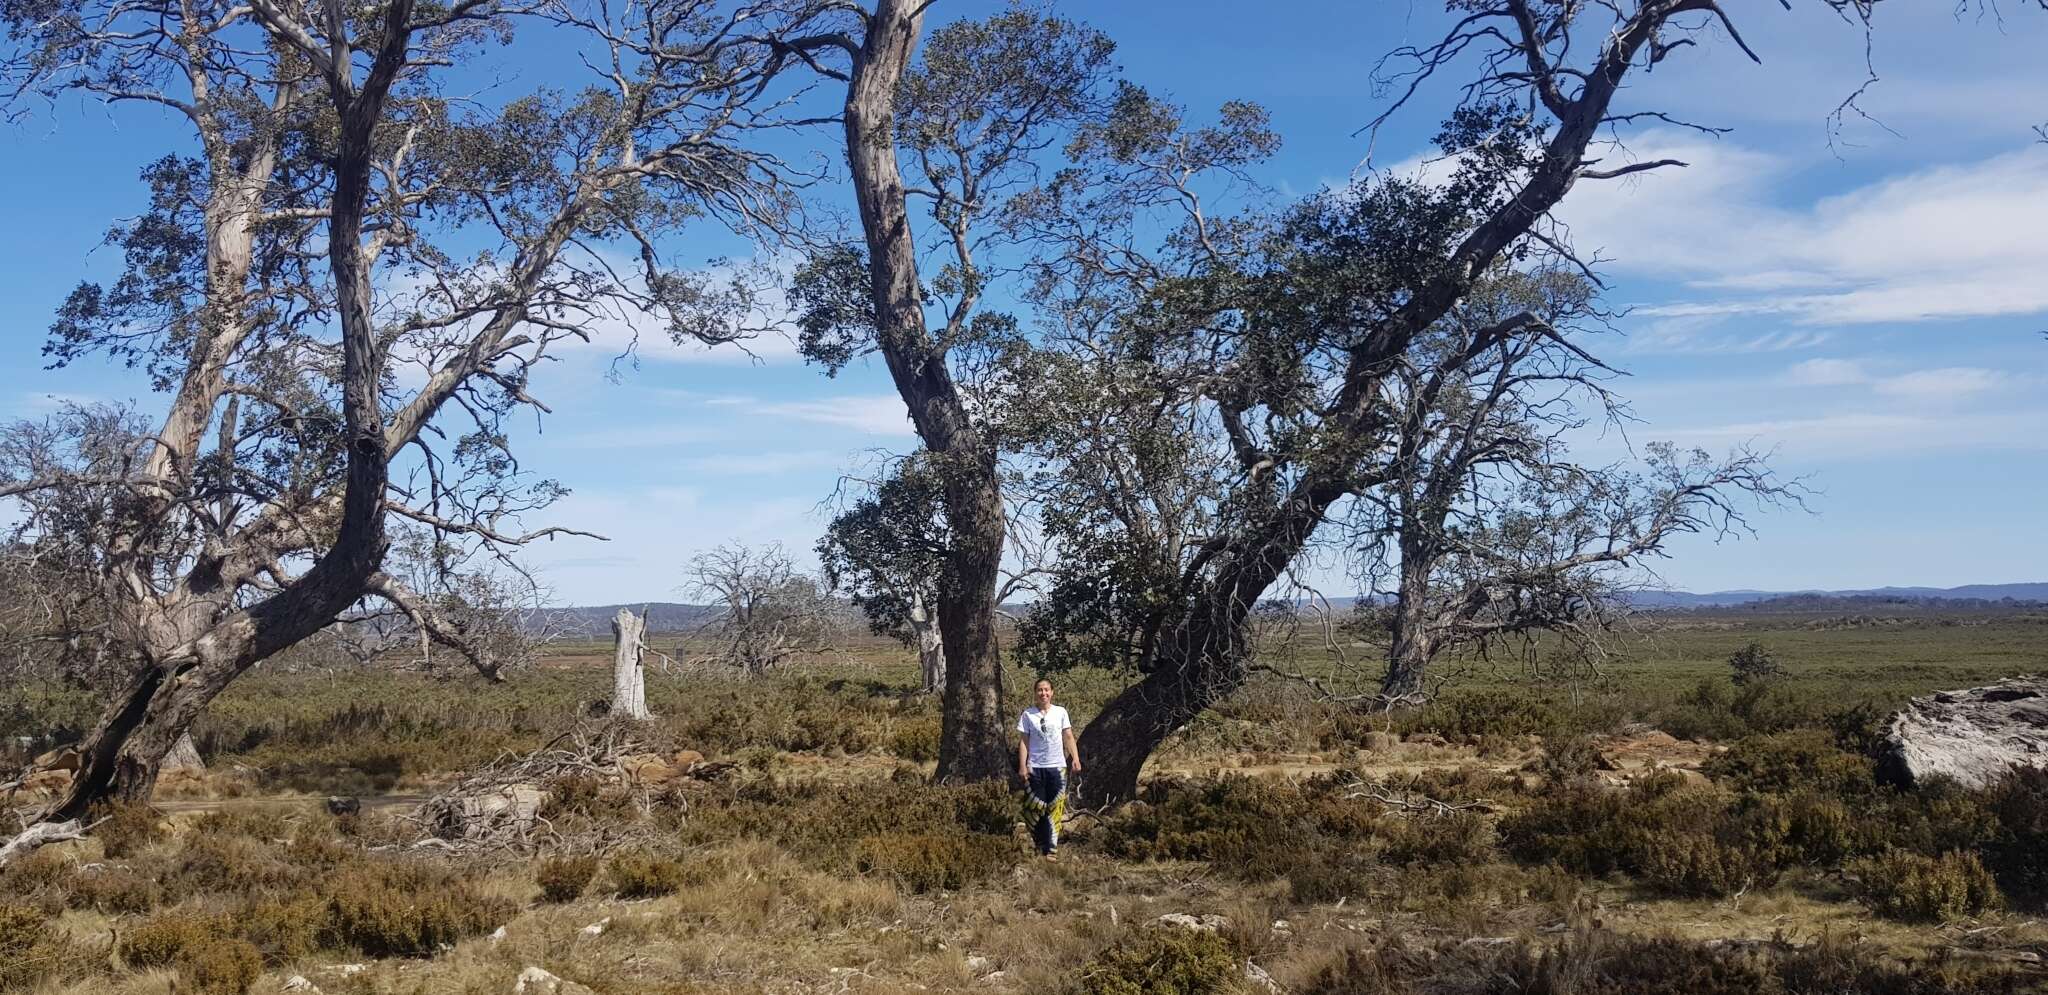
(972, 742)
(629, 668)
(931, 647)
(184, 755)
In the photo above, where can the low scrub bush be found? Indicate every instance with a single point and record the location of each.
(916, 740)
(1800, 759)
(2018, 853)
(1162, 960)
(404, 910)
(31, 951)
(112, 889)
(562, 879)
(285, 929)
(125, 829)
(221, 967)
(1489, 712)
(646, 875)
(922, 862)
(165, 938)
(1914, 888)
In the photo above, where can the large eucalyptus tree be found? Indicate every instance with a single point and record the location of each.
(340, 215)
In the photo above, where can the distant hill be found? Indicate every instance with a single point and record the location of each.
(1984, 593)
(662, 616)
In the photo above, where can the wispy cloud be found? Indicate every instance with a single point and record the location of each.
(1951, 241)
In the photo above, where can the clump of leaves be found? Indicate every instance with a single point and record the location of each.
(408, 910)
(221, 966)
(1753, 664)
(30, 951)
(1914, 888)
(165, 938)
(562, 879)
(922, 862)
(125, 829)
(646, 875)
(1787, 761)
(1162, 960)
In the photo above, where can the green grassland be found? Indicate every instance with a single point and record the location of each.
(1524, 832)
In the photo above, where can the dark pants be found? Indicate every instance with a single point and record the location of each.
(1048, 787)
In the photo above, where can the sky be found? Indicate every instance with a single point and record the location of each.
(1867, 303)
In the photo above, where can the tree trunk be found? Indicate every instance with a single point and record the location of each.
(184, 755)
(931, 647)
(1128, 730)
(1414, 644)
(972, 740)
(629, 671)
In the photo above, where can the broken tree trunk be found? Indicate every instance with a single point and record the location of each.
(184, 755)
(931, 647)
(629, 671)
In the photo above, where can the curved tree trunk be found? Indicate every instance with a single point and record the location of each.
(972, 741)
(184, 755)
(629, 669)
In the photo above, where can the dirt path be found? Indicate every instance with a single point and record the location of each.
(189, 806)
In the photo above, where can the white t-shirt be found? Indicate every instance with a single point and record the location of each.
(1048, 746)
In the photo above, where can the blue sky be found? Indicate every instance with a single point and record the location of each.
(1871, 309)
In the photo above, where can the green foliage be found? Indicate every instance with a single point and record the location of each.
(923, 861)
(1161, 960)
(32, 951)
(1781, 762)
(125, 829)
(645, 875)
(166, 937)
(1753, 664)
(1915, 888)
(562, 879)
(916, 740)
(2018, 854)
(221, 967)
(1489, 713)
(285, 928)
(407, 910)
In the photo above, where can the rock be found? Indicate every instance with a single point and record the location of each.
(349, 968)
(1259, 978)
(498, 935)
(1283, 927)
(1205, 923)
(535, 981)
(993, 977)
(1973, 735)
(298, 983)
(979, 965)
(597, 928)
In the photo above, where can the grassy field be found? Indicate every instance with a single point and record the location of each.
(1649, 828)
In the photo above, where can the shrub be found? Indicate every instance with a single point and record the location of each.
(1490, 712)
(1328, 872)
(921, 862)
(562, 879)
(1162, 961)
(125, 829)
(1569, 758)
(1779, 763)
(1458, 838)
(646, 875)
(165, 938)
(221, 967)
(1913, 888)
(24, 932)
(916, 740)
(113, 890)
(1686, 861)
(2019, 803)
(285, 929)
(407, 910)
(1753, 664)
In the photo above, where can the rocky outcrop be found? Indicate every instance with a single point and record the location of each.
(1972, 736)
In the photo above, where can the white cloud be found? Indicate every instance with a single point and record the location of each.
(1945, 384)
(1827, 373)
(1949, 241)
(761, 463)
(875, 414)
(654, 531)
(1861, 434)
